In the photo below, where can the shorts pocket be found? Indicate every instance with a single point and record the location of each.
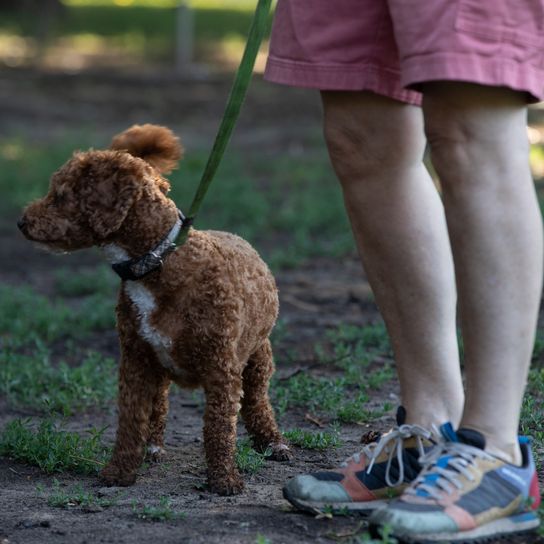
(507, 21)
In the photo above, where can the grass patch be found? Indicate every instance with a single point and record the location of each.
(247, 459)
(27, 317)
(94, 313)
(99, 280)
(312, 440)
(162, 512)
(361, 356)
(53, 449)
(74, 496)
(31, 380)
(333, 397)
(371, 338)
(538, 350)
(366, 538)
(532, 411)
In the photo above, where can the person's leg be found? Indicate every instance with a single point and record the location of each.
(478, 141)
(376, 146)
(481, 482)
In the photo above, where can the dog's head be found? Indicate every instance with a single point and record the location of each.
(91, 195)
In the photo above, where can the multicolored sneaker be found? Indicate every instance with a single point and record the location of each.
(368, 479)
(464, 494)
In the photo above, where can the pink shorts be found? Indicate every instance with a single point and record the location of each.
(391, 47)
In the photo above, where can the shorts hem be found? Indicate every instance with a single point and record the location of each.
(338, 77)
(471, 68)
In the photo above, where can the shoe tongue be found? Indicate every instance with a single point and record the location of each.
(471, 437)
(401, 415)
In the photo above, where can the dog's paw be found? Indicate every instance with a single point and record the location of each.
(227, 485)
(112, 475)
(280, 451)
(155, 454)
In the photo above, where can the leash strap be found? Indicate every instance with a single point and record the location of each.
(237, 95)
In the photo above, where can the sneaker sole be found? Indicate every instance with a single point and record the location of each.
(338, 508)
(502, 528)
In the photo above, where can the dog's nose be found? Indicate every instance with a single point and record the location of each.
(22, 223)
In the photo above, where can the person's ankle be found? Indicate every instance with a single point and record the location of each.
(501, 446)
(511, 453)
(430, 419)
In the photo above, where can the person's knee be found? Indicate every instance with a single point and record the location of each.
(369, 135)
(452, 143)
(469, 144)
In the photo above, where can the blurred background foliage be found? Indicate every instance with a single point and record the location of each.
(74, 34)
(193, 38)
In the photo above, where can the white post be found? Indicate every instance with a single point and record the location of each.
(184, 37)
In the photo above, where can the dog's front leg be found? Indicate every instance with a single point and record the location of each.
(157, 423)
(220, 418)
(139, 381)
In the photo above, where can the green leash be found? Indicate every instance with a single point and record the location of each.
(232, 111)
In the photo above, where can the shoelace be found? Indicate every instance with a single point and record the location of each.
(442, 467)
(398, 435)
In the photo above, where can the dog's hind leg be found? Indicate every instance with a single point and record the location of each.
(257, 411)
(139, 379)
(157, 422)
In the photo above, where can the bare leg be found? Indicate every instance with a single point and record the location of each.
(157, 422)
(257, 412)
(376, 146)
(479, 147)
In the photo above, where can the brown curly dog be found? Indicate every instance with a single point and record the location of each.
(203, 318)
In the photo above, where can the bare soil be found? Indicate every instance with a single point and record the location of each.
(318, 295)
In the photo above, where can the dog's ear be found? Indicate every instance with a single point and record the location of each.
(115, 182)
(156, 145)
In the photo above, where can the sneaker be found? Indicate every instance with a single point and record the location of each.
(368, 479)
(464, 494)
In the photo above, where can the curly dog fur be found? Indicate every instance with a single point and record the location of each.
(203, 320)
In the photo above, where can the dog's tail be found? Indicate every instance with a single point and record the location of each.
(156, 145)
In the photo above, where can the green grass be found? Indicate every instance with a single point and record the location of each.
(365, 537)
(353, 349)
(26, 316)
(162, 512)
(371, 338)
(31, 380)
(538, 350)
(335, 398)
(247, 459)
(359, 359)
(51, 448)
(30, 376)
(532, 412)
(313, 440)
(98, 280)
(74, 496)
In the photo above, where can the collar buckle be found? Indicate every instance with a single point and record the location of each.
(137, 268)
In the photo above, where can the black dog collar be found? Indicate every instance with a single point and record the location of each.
(137, 268)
